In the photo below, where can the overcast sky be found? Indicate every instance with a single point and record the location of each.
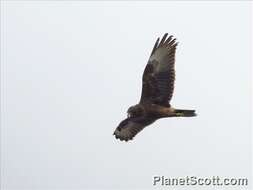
(69, 71)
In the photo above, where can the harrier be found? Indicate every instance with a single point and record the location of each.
(157, 89)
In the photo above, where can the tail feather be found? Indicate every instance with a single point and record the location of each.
(186, 113)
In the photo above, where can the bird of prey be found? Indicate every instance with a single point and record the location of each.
(157, 89)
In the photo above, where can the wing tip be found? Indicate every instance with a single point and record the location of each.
(168, 41)
(120, 137)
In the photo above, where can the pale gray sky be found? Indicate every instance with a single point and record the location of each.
(70, 70)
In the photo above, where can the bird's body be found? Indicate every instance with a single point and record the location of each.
(157, 90)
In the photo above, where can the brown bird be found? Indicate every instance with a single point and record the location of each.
(157, 90)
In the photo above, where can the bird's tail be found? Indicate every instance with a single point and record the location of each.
(185, 113)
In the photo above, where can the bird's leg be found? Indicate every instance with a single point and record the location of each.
(163, 111)
(179, 114)
(171, 112)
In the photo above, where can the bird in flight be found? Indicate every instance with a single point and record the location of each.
(157, 90)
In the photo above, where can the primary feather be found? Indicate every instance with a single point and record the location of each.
(129, 127)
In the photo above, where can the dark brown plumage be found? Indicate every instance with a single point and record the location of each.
(157, 90)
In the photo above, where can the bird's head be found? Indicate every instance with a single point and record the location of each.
(135, 111)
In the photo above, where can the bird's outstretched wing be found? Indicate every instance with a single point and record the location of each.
(129, 127)
(159, 75)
